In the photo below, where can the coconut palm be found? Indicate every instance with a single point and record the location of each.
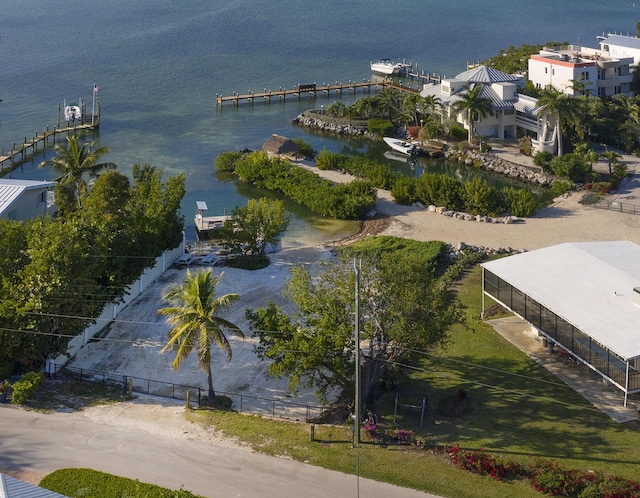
(474, 105)
(611, 157)
(192, 313)
(75, 161)
(389, 101)
(432, 103)
(566, 110)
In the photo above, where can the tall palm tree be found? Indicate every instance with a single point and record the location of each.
(389, 101)
(192, 313)
(75, 161)
(433, 103)
(566, 110)
(474, 105)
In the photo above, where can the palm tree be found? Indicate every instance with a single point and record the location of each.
(74, 161)
(564, 108)
(433, 103)
(611, 157)
(474, 105)
(192, 314)
(390, 102)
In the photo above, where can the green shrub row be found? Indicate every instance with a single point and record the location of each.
(379, 175)
(475, 196)
(349, 201)
(546, 475)
(24, 388)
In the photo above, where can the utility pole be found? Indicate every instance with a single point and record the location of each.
(357, 354)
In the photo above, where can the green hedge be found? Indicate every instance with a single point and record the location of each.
(347, 201)
(24, 388)
(474, 196)
(91, 483)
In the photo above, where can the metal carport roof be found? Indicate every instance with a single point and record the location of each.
(589, 284)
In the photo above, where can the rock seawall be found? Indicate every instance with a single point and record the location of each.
(493, 163)
(331, 127)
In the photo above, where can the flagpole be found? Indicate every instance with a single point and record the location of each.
(93, 105)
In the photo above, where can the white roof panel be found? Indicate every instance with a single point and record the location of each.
(589, 284)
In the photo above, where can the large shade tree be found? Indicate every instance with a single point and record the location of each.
(473, 105)
(73, 163)
(192, 313)
(404, 306)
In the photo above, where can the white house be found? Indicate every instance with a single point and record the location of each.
(602, 74)
(511, 110)
(620, 46)
(584, 298)
(24, 199)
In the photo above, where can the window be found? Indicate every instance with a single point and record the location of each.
(546, 70)
(42, 197)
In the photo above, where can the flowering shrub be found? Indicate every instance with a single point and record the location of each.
(546, 476)
(483, 463)
(370, 429)
(399, 435)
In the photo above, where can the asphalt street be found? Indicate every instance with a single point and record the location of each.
(42, 443)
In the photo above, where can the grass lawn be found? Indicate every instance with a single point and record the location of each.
(516, 410)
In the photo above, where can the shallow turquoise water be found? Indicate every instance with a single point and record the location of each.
(159, 64)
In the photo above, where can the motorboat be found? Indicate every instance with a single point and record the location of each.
(402, 146)
(72, 112)
(386, 66)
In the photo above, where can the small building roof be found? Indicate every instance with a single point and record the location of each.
(280, 145)
(621, 41)
(487, 75)
(588, 284)
(10, 190)
(11, 487)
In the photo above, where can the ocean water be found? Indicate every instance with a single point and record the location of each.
(159, 64)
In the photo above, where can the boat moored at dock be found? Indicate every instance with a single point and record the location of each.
(403, 146)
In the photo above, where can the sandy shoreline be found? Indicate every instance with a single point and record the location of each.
(134, 348)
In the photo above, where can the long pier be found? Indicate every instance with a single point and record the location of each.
(313, 89)
(19, 152)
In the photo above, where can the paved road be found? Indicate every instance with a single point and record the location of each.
(43, 443)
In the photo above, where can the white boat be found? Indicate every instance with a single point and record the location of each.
(402, 146)
(386, 66)
(72, 112)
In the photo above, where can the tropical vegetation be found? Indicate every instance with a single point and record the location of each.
(403, 295)
(58, 273)
(193, 314)
(343, 201)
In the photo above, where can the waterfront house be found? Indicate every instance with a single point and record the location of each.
(24, 199)
(620, 46)
(600, 73)
(511, 110)
(583, 301)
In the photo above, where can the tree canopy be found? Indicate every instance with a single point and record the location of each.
(59, 272)
(404, 303)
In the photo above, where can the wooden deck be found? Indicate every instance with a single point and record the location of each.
(312, 90)
(209, 223)
(19, 152)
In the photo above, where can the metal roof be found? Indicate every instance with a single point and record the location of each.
(589, 284)
(621, 41)
(487, 75)
(11, 487)
(10, 190)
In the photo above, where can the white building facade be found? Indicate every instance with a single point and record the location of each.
(25, 199)
(598, 72)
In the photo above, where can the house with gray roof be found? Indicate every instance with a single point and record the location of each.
(10, 487)
(511, 110)
(582, 298)
(620, 46)
(24, 199)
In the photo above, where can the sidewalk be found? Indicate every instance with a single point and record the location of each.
(581, 379)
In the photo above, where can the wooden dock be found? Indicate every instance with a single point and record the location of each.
(20, 152)
(312, 90)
